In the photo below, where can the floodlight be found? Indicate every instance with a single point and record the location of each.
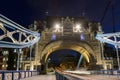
(78, 26)
(57, 26)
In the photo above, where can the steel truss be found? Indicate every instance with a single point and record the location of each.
(19, 37)
(110, 38)
(113, 39)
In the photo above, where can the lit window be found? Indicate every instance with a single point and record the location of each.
(3, 65)
(6, 65)
(14, 65)
(3, 59)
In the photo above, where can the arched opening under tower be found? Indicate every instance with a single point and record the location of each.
(81, 48)
(66, 59)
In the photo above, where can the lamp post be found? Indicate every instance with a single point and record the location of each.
(30, 57)
(19, 51)
(116, 47)
(102, 54)
(36, 54)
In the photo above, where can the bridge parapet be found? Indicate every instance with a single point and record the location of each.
(16, 75)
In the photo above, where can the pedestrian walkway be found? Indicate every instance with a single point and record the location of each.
(42, 77)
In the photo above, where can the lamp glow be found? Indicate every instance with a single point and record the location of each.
(78, 26)
(57, 26)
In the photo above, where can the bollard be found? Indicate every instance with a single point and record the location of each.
(3, 76)
(24, 74)
(56, 74)
(118, 73)
(12, 75)
(31, 73)
(111, 72)
(19, 75)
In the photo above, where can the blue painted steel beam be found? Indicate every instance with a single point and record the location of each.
(11, 24)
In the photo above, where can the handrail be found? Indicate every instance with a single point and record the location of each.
(16, 75)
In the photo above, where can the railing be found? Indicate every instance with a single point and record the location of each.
(28, 59)
(106, 72)
(60, 76)
(16, 75)
(66, 76)
(112, 73)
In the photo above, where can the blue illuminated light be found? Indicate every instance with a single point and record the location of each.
(82, 37)
(53, 37)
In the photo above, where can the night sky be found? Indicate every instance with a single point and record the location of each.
(25, 12)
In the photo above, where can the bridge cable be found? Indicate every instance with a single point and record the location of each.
(113, 17)
(110, 3)
(105, 11)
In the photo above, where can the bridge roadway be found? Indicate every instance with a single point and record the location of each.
(92, 77)
(74, 77)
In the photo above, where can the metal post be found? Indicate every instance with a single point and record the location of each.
(36, 54)
(18, 51)
(18, 60)
(102, 53)
(30, 57)
(116, 47)
(79, 62)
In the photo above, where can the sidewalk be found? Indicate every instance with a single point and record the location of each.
(41, 77)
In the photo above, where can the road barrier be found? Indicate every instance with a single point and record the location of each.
(106, 72)
(66, 75)
(16, 75)
(60, 76)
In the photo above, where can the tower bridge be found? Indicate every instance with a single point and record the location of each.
(74, 33)
(57, 33)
